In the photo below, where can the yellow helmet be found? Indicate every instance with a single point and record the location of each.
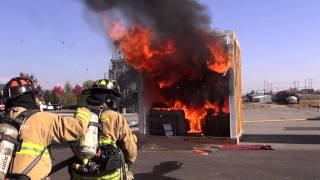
(105, 86)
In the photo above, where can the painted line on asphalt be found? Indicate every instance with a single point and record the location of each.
(274, 120)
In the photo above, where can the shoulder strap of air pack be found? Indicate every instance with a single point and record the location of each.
(24, 116)
(16, 122)
(97, 110)
(19, 120)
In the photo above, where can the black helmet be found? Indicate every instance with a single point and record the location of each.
(16, 87)
(104, 86)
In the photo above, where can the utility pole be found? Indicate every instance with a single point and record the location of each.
(296, 84)
(305, 84)
(309, 83)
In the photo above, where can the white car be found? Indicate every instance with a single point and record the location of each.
(292, 100)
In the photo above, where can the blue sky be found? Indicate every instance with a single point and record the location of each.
(59, 40)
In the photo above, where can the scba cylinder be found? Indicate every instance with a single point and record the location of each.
(6, 148)
(86, 147)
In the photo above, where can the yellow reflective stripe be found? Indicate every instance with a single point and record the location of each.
(81, 112)
(83, 115)
(105, 119)
(31, 145)
(114, 176)
(33, 153)
(32, 149)
(107, 141)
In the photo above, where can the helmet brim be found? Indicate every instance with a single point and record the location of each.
(2, 100)
(35, 92)
(101, 90)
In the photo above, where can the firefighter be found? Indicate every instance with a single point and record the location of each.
(115, 137)
(38, 130)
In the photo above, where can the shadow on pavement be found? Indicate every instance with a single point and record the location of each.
(281, 138)
(159, 171)
(302, 128)
(314, 119)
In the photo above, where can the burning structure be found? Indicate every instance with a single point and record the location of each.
(209, 102)
(190, 73)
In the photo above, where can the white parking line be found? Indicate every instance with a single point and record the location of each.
(274, 120)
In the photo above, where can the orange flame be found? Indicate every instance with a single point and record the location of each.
(195, 115)
(226, 107)
(164, 84)
(220, 61)
(145, 53)
(137, 47)
(117, 30)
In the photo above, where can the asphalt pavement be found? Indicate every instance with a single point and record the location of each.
(293, 133)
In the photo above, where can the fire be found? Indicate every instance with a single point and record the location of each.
(164, 84)
(173, 67)
(226, 107)
(219, 62)
(195, 115)
(117, 30)
(135, 43)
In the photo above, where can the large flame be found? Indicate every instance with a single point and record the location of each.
(146, 52)
(219, 62)
(195, 115)
(136, 45)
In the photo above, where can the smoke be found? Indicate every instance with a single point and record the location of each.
(187, 24)
(170, 19)
(165, 14)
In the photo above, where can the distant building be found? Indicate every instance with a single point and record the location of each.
(118, 66)
(307, 91)
(128, 80)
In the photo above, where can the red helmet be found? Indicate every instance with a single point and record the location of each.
(16, 87)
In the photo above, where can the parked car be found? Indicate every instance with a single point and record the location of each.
(292, 100)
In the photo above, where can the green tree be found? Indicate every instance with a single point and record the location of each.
(50, 97)
(82, 100)
(69, 95)
(87, 84)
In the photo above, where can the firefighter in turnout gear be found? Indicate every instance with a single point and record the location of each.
(117, 149)
(37, 130)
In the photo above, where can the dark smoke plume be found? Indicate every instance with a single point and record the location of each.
(188, 24)
(174, 19)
